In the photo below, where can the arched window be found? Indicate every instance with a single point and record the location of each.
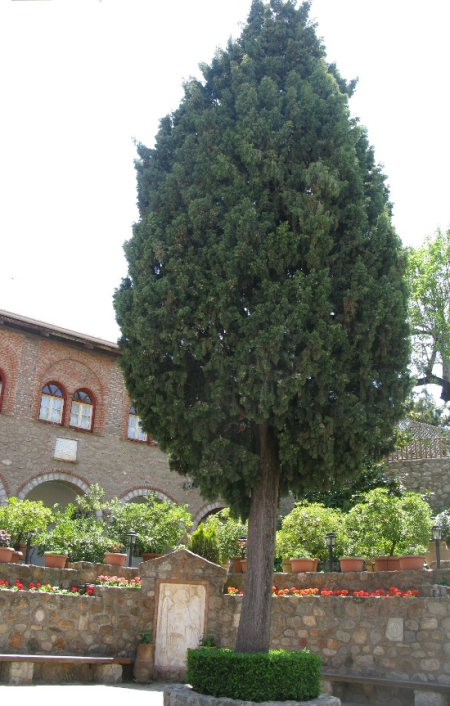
(82, 410)
(134, 427)
(52, 403)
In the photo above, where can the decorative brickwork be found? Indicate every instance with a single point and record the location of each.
(62, 476)
(32, 354)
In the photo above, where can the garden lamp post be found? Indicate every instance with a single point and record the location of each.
(30, 537)
(437, 534)
(330, 539)
(132, 535)
(242, 543)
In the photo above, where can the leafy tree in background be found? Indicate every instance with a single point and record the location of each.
(423, 408)
(344, 494)
(429, 277)
(264, 336)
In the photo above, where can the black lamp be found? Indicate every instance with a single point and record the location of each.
(132, 535)
(437, 535)
(330, 539)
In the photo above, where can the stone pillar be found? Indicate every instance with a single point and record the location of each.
(108, 673)
(430, 698)
(18, 673)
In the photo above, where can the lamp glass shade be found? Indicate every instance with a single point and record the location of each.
(436, 530)
(330, 538)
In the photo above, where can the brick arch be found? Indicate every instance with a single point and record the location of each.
(74, 375)
(4, 490)
(206, 510)
(62, 476)
(140, 491)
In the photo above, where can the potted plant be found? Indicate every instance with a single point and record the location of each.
(228, 531)
(414, 560)
(304, 529)
(145, 657)
(6, 551)
(160, 525)
(80, 533)
(382, 525)
(115, 555)
(302, 562)
(20, 517)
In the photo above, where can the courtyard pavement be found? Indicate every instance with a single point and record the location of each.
(127, 694)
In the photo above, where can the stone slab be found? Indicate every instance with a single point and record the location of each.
(184, 695)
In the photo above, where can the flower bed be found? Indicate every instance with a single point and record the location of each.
(118, 581)
(379, 593)
(44, 588)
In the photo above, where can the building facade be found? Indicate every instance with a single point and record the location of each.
(66, 422)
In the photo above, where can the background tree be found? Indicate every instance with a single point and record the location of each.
(264, 337)
(429, 277)
(423, 408)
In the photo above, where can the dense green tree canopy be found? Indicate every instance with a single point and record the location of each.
(265, 277)
(264, 336)
(429, 276)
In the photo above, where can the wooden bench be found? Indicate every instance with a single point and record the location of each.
(425, 693)
(18, 669)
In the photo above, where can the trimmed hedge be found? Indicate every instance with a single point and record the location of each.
(255, 676)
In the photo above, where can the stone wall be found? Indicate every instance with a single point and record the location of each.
(402, 638)
(430, 476)
(354, 581)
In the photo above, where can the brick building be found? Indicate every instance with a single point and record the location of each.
(67, 422)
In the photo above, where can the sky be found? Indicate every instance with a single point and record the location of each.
(80, 79)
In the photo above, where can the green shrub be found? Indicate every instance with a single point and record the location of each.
(19, 517)
(303, 532)
(256, 676)
(204, 543)
(160, 525)
(383, 524)
(228, 530)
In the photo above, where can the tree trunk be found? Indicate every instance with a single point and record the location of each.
(254, 627)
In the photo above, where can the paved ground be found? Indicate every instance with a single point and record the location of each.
(86, 695)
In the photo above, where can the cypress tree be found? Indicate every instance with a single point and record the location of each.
(264, 336)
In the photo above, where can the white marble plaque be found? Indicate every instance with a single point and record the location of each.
(394, 629)
(66, 449)
(180, 622)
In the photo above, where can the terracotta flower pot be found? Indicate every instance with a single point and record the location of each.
(115, 559)
(351, 563)
(144, 664)
(16, 557)
(236, 562)
(244, 566)
(387, 563)
(55, 561)
(411, 561)
(148, 556)
(302, 565)
(6, 555)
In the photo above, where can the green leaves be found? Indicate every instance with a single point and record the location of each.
(429, 279)
(265, 279)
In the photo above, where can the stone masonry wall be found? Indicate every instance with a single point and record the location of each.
(427, 476)
(402, 638)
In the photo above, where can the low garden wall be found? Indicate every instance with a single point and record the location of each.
(404, 638)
